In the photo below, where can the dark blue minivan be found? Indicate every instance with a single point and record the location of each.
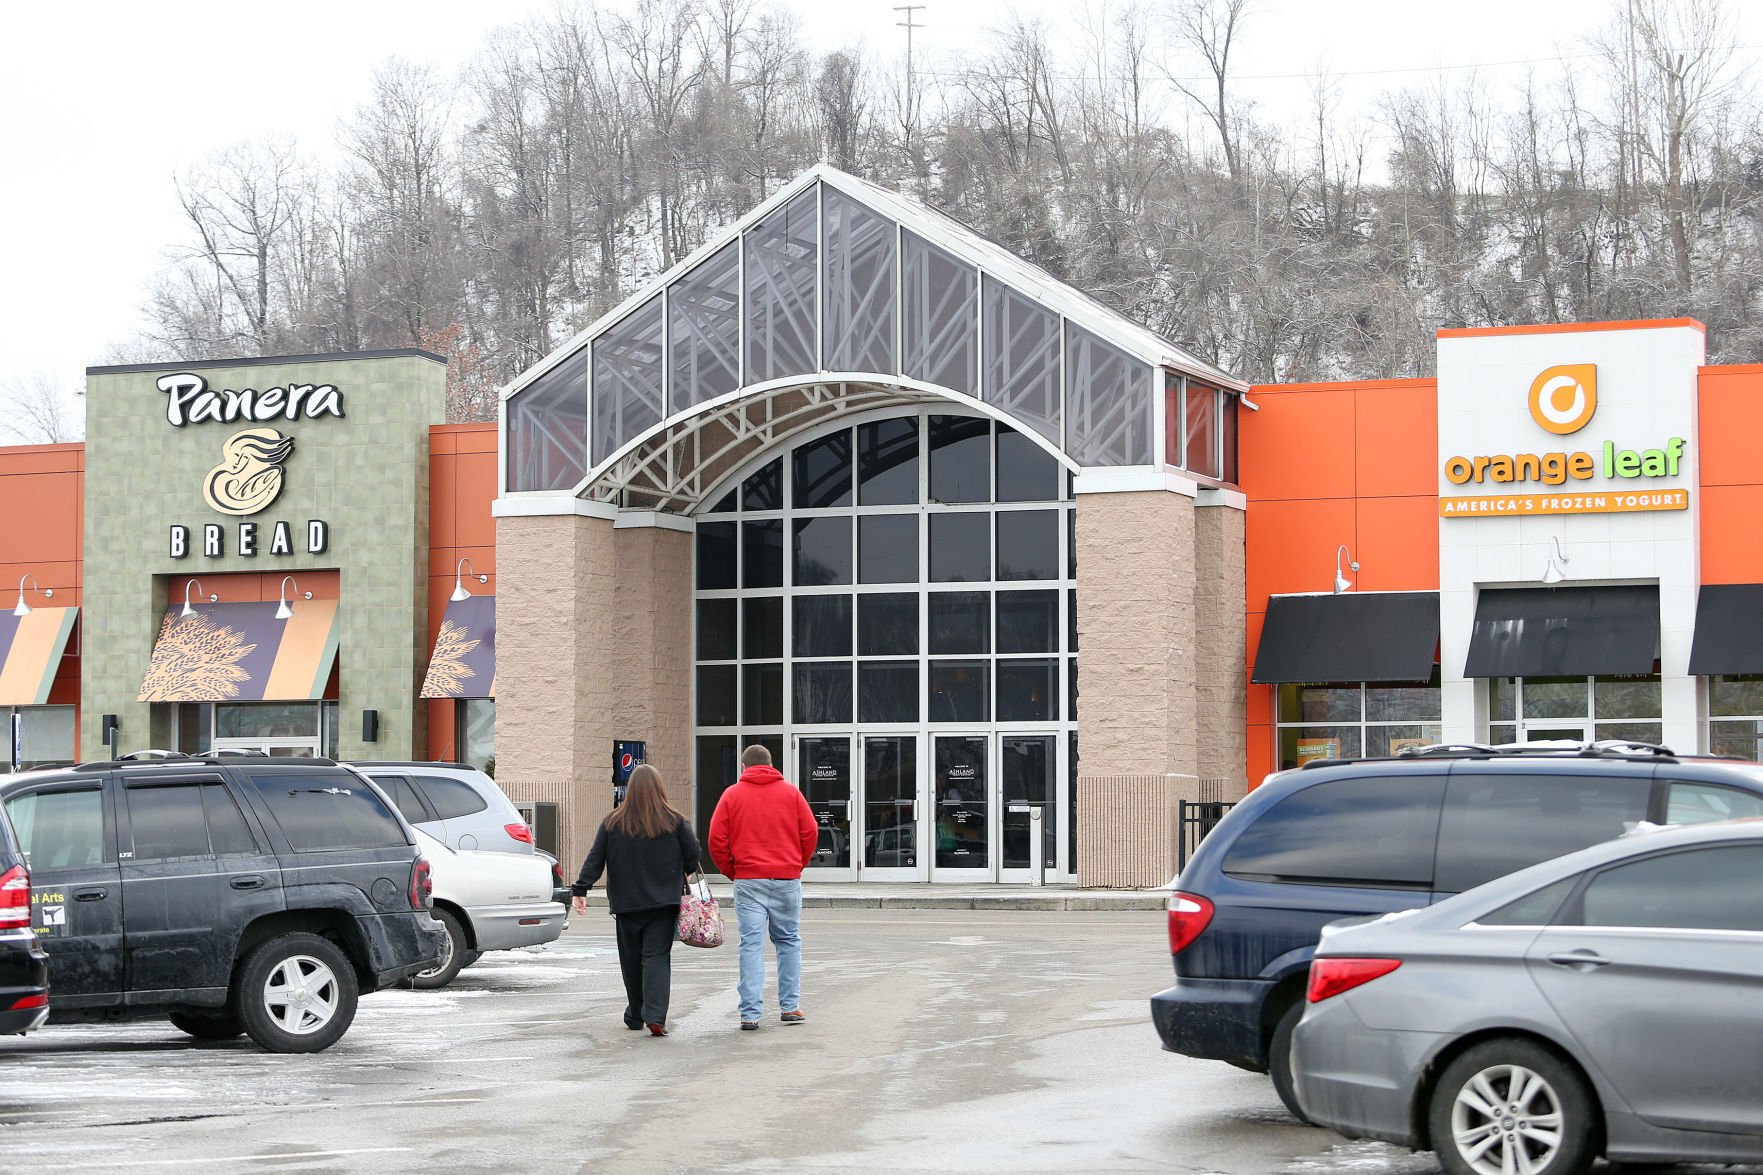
(1344, 838)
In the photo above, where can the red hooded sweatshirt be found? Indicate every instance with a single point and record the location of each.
(763, 827)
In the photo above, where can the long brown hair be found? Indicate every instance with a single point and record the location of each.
(645, 812)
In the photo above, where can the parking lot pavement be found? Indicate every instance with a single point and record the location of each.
(937, 1041)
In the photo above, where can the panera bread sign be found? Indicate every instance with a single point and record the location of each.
(252, 468)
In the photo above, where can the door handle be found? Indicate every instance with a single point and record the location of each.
(90, 895)
(251, 881)
(1579, 960)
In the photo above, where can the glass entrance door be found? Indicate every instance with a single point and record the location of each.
(961, 795)
(824, 775)
(1028, 766)
(892, 823)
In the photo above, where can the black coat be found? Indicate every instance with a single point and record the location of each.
(641, 873)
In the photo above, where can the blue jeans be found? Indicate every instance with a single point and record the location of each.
(762, 905)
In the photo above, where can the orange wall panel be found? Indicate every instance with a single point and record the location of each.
(1396, 426)
(1731, 425)
(1398, 544)
(1298, 446)
(1732, 534)
(1291, 545)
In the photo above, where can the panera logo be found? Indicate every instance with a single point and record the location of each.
(189, 400)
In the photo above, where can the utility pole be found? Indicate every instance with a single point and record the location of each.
(908, 25)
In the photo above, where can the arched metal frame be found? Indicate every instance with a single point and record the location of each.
(742, 346)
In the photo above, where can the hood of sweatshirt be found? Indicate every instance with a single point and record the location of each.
(764, 773)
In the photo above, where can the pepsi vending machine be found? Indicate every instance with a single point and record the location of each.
(626, 754)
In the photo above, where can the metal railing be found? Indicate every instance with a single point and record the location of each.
(1194, 819)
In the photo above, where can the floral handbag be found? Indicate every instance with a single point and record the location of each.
(700, 921)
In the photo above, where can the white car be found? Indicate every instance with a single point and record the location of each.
(488, 901)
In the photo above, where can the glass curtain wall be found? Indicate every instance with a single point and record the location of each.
(1735, 716)
(907, 575)
(37, 736)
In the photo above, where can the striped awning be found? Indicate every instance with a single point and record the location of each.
(242, 653)
(464, 660)
(30, 649)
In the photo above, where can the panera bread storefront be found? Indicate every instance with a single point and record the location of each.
(253, 555)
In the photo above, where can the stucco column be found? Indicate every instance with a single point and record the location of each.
(652, 643)
(555, 689)
(1138, 752)
(1221, 637)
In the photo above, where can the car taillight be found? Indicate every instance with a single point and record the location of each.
(1188, 916)
(15, 898)
(422, 885)
(24, 1003)
(519, 832)
(556, 875)
(1330, 977)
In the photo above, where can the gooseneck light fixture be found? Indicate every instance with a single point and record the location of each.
(189, 607)
(1555, 571)
(1341, 582)
(23, 609)
(283, 609)
(459, 589)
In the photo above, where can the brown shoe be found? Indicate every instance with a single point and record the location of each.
(793, 1018)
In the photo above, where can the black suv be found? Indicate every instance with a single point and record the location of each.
(24, 968)
(1336, 839)
(234, 894)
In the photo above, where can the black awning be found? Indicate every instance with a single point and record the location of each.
(1374, 636)
(1564, 632)
(1729, 630)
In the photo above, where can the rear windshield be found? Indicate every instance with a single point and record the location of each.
(1378, 831)
(320, 810)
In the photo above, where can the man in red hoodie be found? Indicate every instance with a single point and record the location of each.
(762, 836)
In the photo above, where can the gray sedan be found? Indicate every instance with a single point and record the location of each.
(1609, 1002)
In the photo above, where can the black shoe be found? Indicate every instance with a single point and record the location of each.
(749, 1026)
(634, 1023)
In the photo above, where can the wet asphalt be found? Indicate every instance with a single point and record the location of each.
(937, 1041)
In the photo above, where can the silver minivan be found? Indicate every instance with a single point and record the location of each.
(1609, 1002)
(455, 803)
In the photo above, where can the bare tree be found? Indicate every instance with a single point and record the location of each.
(39, 410)
(1210, 29)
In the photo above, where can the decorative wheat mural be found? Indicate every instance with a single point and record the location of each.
(195, 657)
(448, 671)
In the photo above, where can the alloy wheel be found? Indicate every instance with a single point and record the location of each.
(1507, 1120)
(301, 994)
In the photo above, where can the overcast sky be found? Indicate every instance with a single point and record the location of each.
(105, 99)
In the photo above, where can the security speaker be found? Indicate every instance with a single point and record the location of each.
(370, 726)
(109, 726)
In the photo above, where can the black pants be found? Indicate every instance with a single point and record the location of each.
(645, 946)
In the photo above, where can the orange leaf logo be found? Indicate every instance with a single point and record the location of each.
(1563, 398)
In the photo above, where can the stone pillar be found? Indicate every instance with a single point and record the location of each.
(555, 689)
(1221, 637)
(652, 643)
(1137, 680)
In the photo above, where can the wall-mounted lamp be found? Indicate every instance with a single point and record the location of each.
(189, 607)
(1555, 572)
(283, 609)
(370, 726)
(459, 589)
(1341, 582)
(23, 609)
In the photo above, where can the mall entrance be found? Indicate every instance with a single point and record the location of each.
(944, 807)
(888, 607)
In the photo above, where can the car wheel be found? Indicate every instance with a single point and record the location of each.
(297, 994)
(1509, 1106)
(207, 1027)
(452, 955)
(1279, 1061)
(469, 958)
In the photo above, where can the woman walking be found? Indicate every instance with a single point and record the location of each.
(646, 849)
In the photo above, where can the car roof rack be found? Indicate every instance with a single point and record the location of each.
(409, 763)
(154, 757)
(1623, 749)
